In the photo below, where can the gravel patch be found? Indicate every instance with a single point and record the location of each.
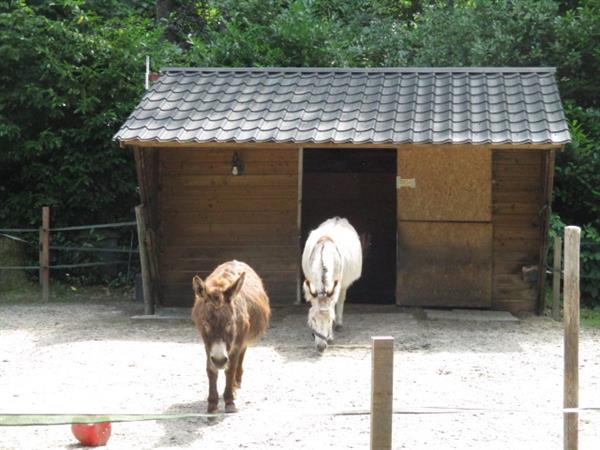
(95, 358)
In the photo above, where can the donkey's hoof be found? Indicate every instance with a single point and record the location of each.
(338, 327)
(212, 408)
(230, 408)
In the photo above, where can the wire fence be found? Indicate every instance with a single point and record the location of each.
(10, 233)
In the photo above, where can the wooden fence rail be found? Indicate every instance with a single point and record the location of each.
(44, 232)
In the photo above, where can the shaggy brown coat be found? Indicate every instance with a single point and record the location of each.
(232, 306)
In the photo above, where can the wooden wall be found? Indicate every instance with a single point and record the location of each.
(208, 216)
(444, 253)
(518, 200)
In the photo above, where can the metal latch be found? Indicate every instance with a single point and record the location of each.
(405, 183)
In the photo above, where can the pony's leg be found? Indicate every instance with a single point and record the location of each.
(339, 310)
(230, 374)
(213, 395)
(240, 369)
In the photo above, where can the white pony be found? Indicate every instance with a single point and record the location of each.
(331, 262)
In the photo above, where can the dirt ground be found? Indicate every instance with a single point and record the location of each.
(94, 358)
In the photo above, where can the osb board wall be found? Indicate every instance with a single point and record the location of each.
(208, 216)
(517, 214)
(452, 183)
(444, 264)
(444, 250)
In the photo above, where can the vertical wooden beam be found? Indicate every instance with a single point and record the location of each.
(146, 283)
(45, 254)
(548, 177)
(382, 388)
(571, 315)
(148, 187)
(299, 224)
(556, 276)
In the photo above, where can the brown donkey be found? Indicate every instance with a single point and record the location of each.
(231, 309)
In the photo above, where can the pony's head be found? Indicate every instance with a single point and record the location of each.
(322, 311)
(215, 318)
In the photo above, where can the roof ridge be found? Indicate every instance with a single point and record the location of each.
(486, 69)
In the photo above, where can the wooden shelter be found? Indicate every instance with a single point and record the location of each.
(446, 172)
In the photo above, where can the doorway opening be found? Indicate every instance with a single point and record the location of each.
(359, 185)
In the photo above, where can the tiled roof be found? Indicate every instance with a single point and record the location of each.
(374, 106)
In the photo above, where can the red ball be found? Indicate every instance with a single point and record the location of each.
(91, 434)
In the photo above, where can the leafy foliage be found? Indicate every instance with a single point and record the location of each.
(68, 82)
(589, 258)
(73, 70)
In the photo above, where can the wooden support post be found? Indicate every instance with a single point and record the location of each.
(300, 280)
(45, 254)
(382, 389)
(146, 280)
(556, 276)
(571, 315)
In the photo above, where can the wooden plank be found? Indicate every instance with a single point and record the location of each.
(510, 244)
(229, 195)
(517, 220)
(382, 392)
(45, 254)
(144, 263)
(548, 180)
(516, 208)
(556, 278)
(248, 249)
(234, 204)
(147, 161)
(444, 264)
(571, 345)
(517, 170)
(516, 233)
(516, 158)
(219, 181)
(186, 155)
(227, 217)
(224, 168)
(184, 228)
(452, 183)
(298, 299)
(514, 305)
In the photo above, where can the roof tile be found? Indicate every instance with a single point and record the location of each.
(418, 105)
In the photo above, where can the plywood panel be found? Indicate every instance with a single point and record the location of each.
(453, 183)
(211, 216)
(444, 264)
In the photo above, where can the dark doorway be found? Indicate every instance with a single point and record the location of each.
(359, 185)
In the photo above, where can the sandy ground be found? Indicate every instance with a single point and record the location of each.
(94, 358)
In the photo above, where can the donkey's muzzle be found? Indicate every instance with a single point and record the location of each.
(219, 362)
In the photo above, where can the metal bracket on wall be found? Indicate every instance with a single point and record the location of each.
(405, 183)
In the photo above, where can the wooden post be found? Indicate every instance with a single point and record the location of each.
(300, 280)
(556, 275)
(571, 317)
(45, 254)
(382, 388)
(146, 283)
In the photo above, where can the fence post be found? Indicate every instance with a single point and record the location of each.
(556, 275)
(382, 389)
(146, 282)
(571, 319)
(45, 254)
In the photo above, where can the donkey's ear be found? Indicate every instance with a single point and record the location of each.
(199, 288)
(235, 288)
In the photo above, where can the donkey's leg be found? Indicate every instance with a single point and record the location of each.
(339, 310)
(240, 369)
(230, 373)
(213, 395)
